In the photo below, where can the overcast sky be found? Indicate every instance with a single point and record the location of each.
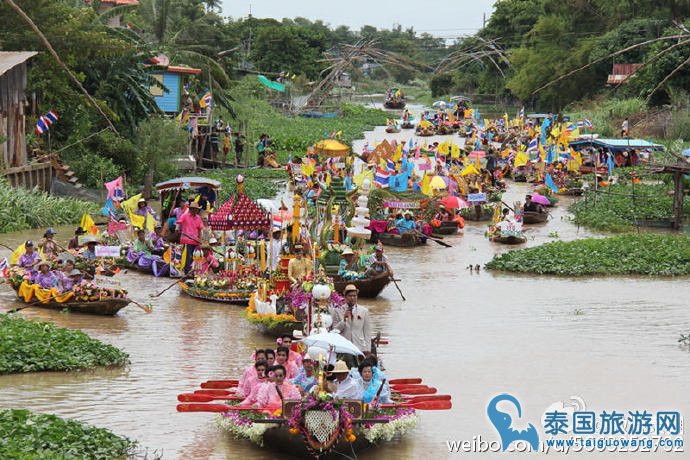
(442, 18)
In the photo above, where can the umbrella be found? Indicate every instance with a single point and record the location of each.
(454, 202)
(327, 340)
(540, 199)
(686, 152)
(437, 183)
(331, 148)
(477, 153)
(439, 104)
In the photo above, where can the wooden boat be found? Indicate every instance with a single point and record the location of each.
(394, 104)
(407, 125)
(229, 296)
(406, 240)
(368, 287)
(108, 306)
(471, 214)
(391, 130)
(511, 239)
(577, 191)
(531, 217)
(448, 227)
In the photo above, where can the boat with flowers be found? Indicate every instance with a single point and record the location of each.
(83, 298)
(226, 287)
(319, 424)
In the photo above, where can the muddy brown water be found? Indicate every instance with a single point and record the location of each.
(610, 341)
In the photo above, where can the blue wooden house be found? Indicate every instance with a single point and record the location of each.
(173, 78)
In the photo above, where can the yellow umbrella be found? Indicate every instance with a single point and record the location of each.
(331, 148)
(437, 183)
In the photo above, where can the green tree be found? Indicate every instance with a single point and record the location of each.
(158, 142)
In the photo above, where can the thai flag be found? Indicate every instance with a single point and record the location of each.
(381, 178)
(3, 267)
(588, 123)
(51, 117)
(580, 124)
(42, 125)
(570, 128)
(533, 144)
(390, 165)
(522, 112)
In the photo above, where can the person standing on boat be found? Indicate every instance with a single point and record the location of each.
(299, 267)
(353, 323)
(48, 244)
(190, 225)
(276, 247)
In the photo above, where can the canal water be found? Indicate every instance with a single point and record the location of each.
(598, 343)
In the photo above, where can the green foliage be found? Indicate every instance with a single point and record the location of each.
(258, 183)
(158, 142)
(647, 254)
(617, 212)
(21, 209)
(93, 169)
(441, 84)
(32, 346)
(26, 435)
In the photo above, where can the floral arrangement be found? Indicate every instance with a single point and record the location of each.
(88, 292)
(16, 275)
(241, 425)
(400, 420)
(271, 321)
(323, 402)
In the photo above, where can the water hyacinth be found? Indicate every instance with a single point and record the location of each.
(21, 209)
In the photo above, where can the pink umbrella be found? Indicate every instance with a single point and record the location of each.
(540, 199)
(454, 202)
(477, 153)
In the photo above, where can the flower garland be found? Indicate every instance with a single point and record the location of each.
(403, 420)
(243, 427)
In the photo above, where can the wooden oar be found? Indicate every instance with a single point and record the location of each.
(435, 240)
(200, 398)
(419, 391)
(405, 381)
(199, 407)
(173, 284)
(148, 310)
(416, 399)
(404, 386)
(398, 288)
(423, 405)
(220, 384)
(214, 392)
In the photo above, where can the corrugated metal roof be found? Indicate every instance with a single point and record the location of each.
(10, 59)
(618, 144)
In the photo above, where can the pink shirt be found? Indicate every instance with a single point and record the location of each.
(247, 381)
(190, 225)
(268, 397)
(291, 369)
(254, 393)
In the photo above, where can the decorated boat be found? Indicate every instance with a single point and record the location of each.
(395, 99)
(531, 217)
(447, 227)
(509, 239)
(392, 129)
(407, 125)
(576, 191)
(230, 287)
(477, 214)
(84, 298)
(506, 232)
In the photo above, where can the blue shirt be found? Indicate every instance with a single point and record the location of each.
(404, 225)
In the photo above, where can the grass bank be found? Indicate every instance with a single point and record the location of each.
(21, 209)
(650, 255)
(614, 210)
(26, 435)
(258, 183)
(32, 346)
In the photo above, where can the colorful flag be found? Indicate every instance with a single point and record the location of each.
(88, 224)
(522, 112)
(3, 267)
(51, 116)
(390, 165)
(548, 181)
(42, 125)
(588, 123)
(205, 100)
(115, 190)
(381, 178)
(534, 143)
(580, 124)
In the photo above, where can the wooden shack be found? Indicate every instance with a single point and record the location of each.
(12, 104)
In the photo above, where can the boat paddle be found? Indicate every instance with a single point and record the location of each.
(423, 405)
(200, 398)
(395, 282)
(435, 240)
(220, 384)
(417, 391)
(173, 284)
(199, 407)
(147, 309)
(405, 381)
(415, 399)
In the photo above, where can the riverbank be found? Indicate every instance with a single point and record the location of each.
(33, 346)
(22, 209)
(258, 182)
(647, 254)
(25, 434)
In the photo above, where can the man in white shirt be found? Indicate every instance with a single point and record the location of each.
(348, 386)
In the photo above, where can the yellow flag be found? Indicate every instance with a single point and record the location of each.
(130, 205)
(17, 253)
(454, 151)
(150, 223)
(136, 220)
(398, 153)
(521, 159)
(469, 169)
(542, 152)
(88, 224)
(358, 179)
(426, 186)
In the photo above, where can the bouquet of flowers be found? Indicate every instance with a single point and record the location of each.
(89, 291)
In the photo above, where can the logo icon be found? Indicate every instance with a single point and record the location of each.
(502, 422)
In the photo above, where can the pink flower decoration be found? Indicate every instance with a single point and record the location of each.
(271, 374)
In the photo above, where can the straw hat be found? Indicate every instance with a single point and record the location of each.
(347, 252)
(340, 368)
(407, 213)
(41, 263)
(194, 205)
(350, 287)
(74, 272)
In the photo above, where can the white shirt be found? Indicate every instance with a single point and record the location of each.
(349, 388)
(276, 246)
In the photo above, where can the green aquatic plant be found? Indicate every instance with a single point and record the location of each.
(32, 346)
(647, 254)
(26, 435)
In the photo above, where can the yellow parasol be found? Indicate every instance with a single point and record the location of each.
(331, 148)
(437, 183)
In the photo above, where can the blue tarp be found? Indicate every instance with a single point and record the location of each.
(616, 145)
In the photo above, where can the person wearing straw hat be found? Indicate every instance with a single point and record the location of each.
(45, 276)
(347, 386)
(90, 252)
(353, 323)
(349, 265)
